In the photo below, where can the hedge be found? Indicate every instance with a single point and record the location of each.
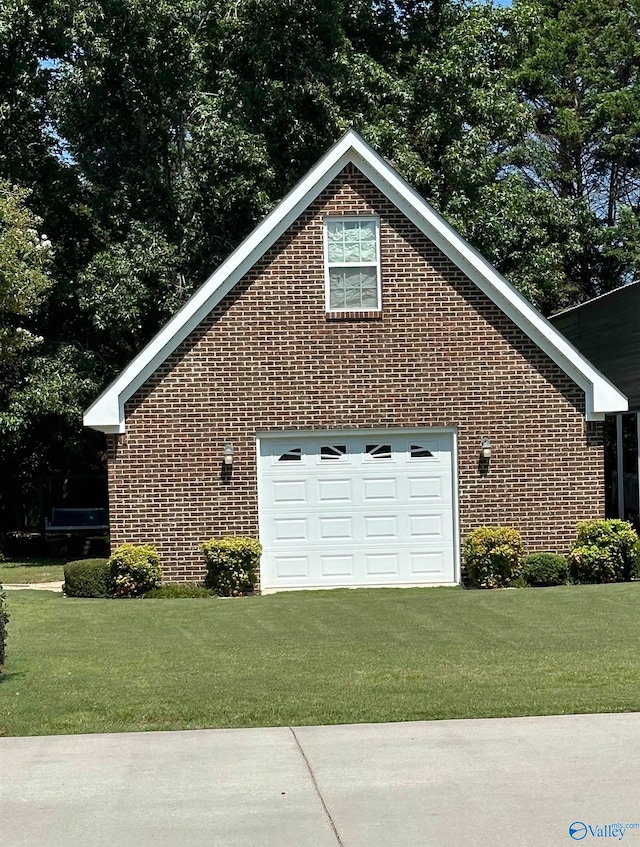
(88, 578)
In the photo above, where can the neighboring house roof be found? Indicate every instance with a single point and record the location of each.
(107, 412)
(607, 331)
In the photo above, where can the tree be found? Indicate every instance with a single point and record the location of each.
(581, 83)
(25, 256)
(153, 138)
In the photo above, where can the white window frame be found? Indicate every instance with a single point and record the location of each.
(329, 265)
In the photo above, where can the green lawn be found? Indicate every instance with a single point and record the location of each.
(31, 570)
(317, 657)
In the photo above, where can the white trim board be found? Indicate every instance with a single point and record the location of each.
(107, 412)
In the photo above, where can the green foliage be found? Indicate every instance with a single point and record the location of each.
(173, 591)
(541, 569)
(4, 618)
(232, 564)
(135, 568)
(580, 78)
(154, 136)
(493, 556)
(25, 255)
(88, 578)
(605, 551)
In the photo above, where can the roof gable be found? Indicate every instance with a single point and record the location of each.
(107, 412)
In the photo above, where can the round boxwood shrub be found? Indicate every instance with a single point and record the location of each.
(88, 578)
(172, 591)
(493, 556)
(605, 551)
(232, 564)
(542, 569)
(135, 568)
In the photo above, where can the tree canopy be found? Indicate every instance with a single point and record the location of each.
(146, 140)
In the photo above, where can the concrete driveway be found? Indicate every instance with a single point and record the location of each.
(515, 782)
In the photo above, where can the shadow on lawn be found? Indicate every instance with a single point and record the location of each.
(6, 675)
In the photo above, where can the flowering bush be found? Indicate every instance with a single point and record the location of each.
(135, 568)
(493, 556)
(232, 564)
(606, 551)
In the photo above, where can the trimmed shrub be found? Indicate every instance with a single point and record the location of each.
(232, 564)
(135, 568)
(606, 551)
(493, 556)
(173, 591)
(542, 569)
(4, 617)
(87, 578)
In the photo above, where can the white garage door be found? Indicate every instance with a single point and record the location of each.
(356, 509)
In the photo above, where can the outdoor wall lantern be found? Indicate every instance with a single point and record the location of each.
(228, 453)
(486, 447)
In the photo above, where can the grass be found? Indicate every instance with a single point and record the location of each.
(317, 657)
(31, 571)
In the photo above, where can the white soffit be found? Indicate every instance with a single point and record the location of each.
(107, 412)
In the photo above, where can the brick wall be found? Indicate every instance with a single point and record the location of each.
(268, 358)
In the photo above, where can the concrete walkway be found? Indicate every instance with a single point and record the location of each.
(38, 586)
(520, 782)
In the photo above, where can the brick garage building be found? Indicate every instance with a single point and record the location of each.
(355, 356)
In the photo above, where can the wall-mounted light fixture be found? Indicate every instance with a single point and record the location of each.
(486, 447)
(228, 453)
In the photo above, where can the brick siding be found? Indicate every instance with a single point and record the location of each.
(269, 358)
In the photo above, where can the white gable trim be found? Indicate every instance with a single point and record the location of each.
(107, 412)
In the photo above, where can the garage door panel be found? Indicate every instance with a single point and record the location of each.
(356, 510)
(433, 564)
(292, 567)
(427, 526)
(434, 487)
(332, 528)
(379, 488)
(290, 529)
(335, 491)
(381, 564)
(290, 491)
(336, 566)
(381, 526)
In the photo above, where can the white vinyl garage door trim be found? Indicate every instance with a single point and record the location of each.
(272, 445)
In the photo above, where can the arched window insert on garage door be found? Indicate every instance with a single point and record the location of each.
(294, 454)
(332, 452)
(377, 451)
(417, 451)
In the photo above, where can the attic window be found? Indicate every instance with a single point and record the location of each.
(352, 264)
